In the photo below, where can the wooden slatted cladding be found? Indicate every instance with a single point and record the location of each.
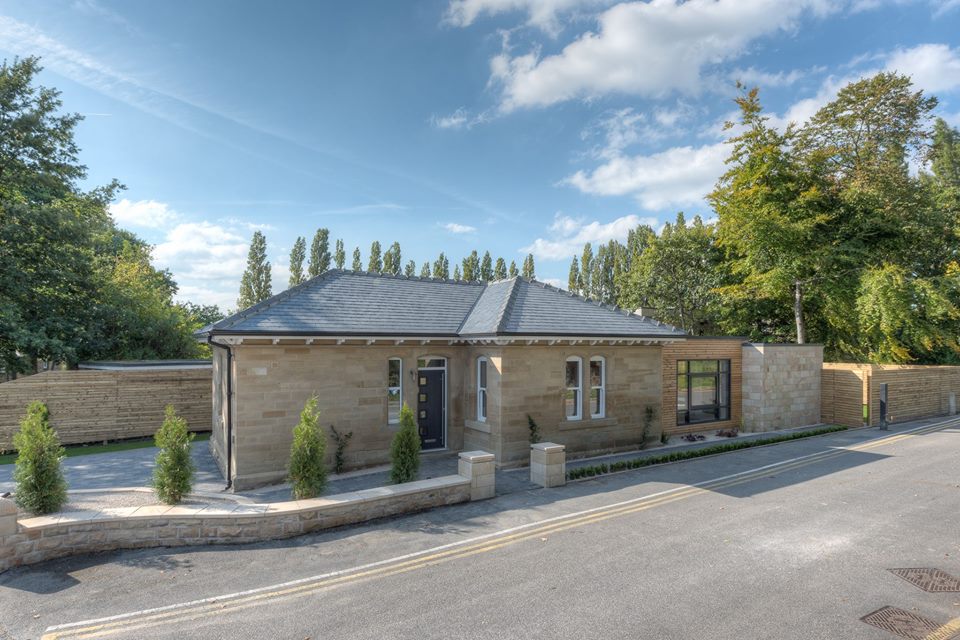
(701, 349)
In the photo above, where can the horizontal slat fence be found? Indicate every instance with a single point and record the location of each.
(95, 405)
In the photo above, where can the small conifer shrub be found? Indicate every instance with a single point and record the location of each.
(40, 485)
(308, 474)
(405, 449)
(173, 472)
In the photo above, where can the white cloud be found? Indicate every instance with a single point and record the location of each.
(675, 177)
(644, 48)
(756, 77)
(568, 235)
(542, 14)
(932, 67)
(456, 120)
(142, 213)
(454, 227)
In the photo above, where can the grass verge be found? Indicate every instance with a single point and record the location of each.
(676, 456)
(90, 449)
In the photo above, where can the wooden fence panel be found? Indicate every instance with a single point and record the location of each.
(842, 394)
(96, 405)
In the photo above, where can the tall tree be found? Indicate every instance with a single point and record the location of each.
(529, 271)
(513, 269)
(586, 269)
(486, 268)
(376, 261)
(456, 272)
(356, 265)
(256, 285)
(500, 270)
(441, 267)
(411, 269)
(425, 270)
(573, 278)
(319, 253)
(339, 256)
(297, 255)
(393, 260)
(471, 267)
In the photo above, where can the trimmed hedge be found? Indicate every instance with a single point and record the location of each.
(676, 456)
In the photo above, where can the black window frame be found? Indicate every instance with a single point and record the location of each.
(721, 377)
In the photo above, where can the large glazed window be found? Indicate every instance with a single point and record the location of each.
(574, 394)
(703, 391)
(598, 387)
(481, 389)
(394, 389)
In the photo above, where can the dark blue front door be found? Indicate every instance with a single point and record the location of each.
(430, 408)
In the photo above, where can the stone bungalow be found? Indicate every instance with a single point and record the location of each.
(472, 360)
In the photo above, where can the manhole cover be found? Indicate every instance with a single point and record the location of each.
(901, 623)
(930, 580)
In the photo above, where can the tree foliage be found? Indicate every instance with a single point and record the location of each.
(297, 255)
(319, 253)
(375, 265)
(174, 468)
(40, 485)
(339, 255)
(256, 285)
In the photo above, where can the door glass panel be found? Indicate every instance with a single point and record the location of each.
(423, 363)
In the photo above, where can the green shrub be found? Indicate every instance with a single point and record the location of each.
(405, 449)
(649, 413)
(534, 430)
(41, 487)
(308, 474)
(173, 473)
(341, 440)
(676, 456)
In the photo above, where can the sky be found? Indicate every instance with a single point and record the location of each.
(512, 126)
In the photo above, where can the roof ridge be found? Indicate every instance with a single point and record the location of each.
(401, 276)
(504, 312)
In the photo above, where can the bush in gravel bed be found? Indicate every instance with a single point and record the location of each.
(173, 473)
(405, 449)
(41, 487)
(622, 465)
(308, 474)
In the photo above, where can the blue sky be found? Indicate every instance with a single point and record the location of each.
(507, 125)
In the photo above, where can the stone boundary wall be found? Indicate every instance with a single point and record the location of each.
(37, 539)
(781, 385)
(96, 405)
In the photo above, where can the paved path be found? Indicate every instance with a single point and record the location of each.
(790, 541)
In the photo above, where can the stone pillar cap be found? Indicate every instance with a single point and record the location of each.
(476, 456)
(549, 447)
(7, 507)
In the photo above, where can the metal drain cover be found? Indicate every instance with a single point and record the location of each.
(902, 623)
(930, 580)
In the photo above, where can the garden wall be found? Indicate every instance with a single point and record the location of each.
(33, 540)
(781, 385)
(94, 405)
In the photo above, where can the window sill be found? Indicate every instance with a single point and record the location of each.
(483, 427)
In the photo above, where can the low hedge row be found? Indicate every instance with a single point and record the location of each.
(636, 463)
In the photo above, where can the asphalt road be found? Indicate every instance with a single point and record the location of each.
(800, 549)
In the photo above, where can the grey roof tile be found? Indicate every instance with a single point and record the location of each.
(357, 303)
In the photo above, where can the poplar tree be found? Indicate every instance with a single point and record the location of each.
(573, 280)
(319, 253)
(411, 269)
(441, 267)
(471, 267)
(586, 269)
(376, 262)
(529, 271)
(425, 270)
(357, 265)
(297, 254)
(396, 259)
(486, 268)
(339, 256)
(456, 272)
(513, 269)
(500, 270)
(255, 285)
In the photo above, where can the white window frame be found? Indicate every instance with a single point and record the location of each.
(398, 389)
(578, 389)
(602, 388)
(481, 411)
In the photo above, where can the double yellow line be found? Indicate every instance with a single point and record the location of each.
(237, 602)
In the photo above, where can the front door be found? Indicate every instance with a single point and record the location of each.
(430, 408)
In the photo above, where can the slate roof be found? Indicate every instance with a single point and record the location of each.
(355, 303)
